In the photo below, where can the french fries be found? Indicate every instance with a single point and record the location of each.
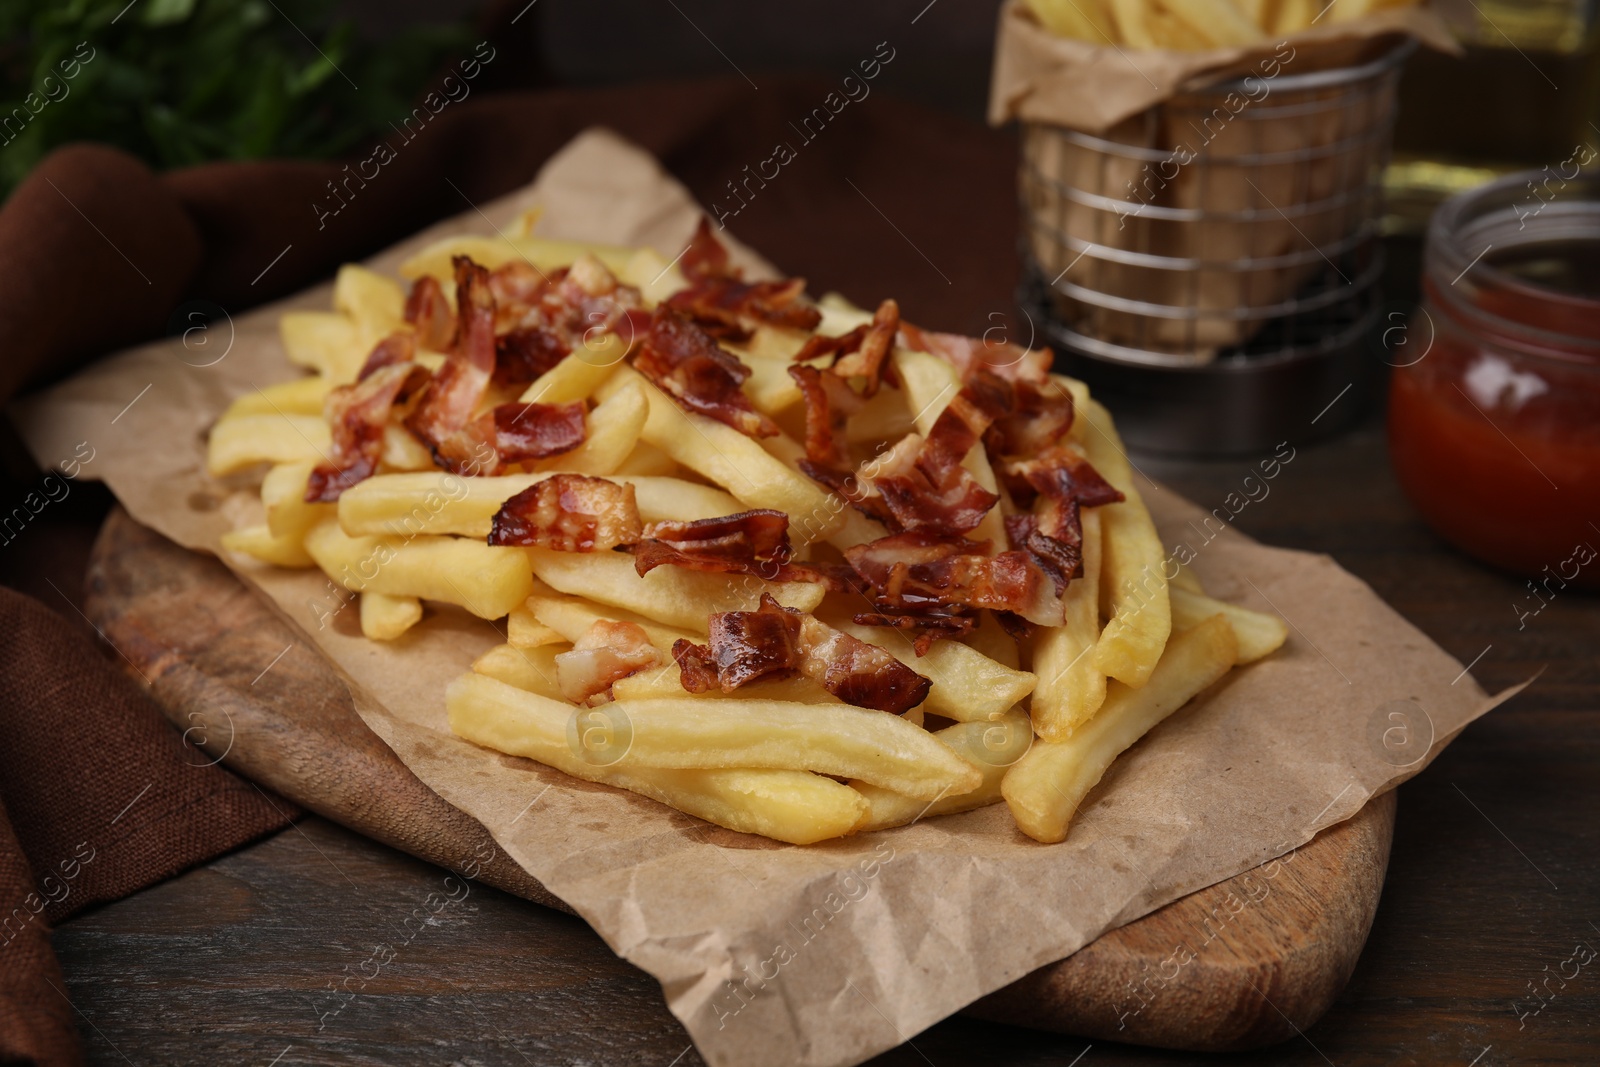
(1194, 25)
(1046, 786)
(815, 726)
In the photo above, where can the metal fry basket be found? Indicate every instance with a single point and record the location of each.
(1214, 261)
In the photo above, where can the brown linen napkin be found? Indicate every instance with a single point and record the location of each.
(99, 253)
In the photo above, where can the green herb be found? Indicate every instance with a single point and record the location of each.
(178, 82)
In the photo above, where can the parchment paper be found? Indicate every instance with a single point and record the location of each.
(847, 948)
(1040, 77)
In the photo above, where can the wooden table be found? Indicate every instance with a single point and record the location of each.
(1494, 879)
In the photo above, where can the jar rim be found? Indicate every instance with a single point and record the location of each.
(1465, 228)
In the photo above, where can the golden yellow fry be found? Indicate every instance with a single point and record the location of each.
(533, 669)
(250, 439)
(666, 681)
(1133, 582)
(375, 303)
(653, 275)
(1295, 15)
(769, 386)
(1258, 633)
(672, 595)
(283, 494)
(259, 543)
(486, 580)
(791, 806)
(579, 375)
(301, 396)
(1046, 786)
(327, 342)
(992, 747)
(613, 431)
(967, 685)
(737, 463)
(1071, 688)
(1065, 18)
(492, 252)
(524, 630)
(438, 502)
(384, 618)
(1218, 22)
(1129, 17)
(884, 417)
(572, 616)
(1185, 578)
(646, 460)
(403, 452)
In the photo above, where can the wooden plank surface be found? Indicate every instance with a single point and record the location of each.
(1492, 882)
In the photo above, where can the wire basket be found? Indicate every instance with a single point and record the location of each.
(1182, 232)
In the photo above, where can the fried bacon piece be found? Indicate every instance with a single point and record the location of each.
(773, 640)
(969, 355)
(569, 513)
(688, 365)
(829, 403)
(357, 415)
(924, 627)
(429, 311)
(1054, 539)
(1061, 474)
(1036, 420)
(748, 542)
(398, 347)
(526, 352)
(540, 318)
(927, 573)
(536, 431)
(729, 308)
(602, 655)
(863, 352)
(441, 418)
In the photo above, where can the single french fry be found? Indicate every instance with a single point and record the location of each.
(653, 275)
(1065, 18)
(1133, 581)
(532, 669)
(666, 681)
(1071, 688)
(259, 543)
(646, 460)
(301, 396)
(250, 439)
(570, 617)
(283, 494)
(437, 502)
(1185, 578)
(579, 375)
(487, 580)
(384, 618)
(1294, 15)
(992, 747)
(524, 630)
(769, 387)
(1046, 786)
(492, 252)
(967, 685)
(1129, 16)
(375, 303)
(613, 431)
(327, 342)
(884, 417)
(990, 638)
(403, 452)
(671, 595)
(735, 462)
(791, 806)
(840, 316)
(1258, 633)
(1218, 22)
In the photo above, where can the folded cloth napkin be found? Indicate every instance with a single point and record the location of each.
(99, 796)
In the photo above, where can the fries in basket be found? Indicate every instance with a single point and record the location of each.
(796, 568)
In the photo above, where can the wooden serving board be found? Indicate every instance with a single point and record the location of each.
(1243, 963)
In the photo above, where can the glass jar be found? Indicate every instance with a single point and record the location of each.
(1494, 429)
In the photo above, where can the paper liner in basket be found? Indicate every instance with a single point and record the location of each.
(1286, 180)
(821, 955)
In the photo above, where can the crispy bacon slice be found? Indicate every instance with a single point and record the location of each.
(602, 655)
(774, 640)
(688, 365)
(863, 352)
(1036, 421)
(928, 572)
(446, 408)
(829, 403)
(748, 542)
(398, 347)
(541, 317)
(536, 431)
(969, 355)
(924, 627)
(357, 415)
(1060, 473)
(1054, 539)
(569, 513)
(429, 311)
(527, 352)
(726, 307)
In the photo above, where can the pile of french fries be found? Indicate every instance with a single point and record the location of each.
(1194, 25)
(1032, 722)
